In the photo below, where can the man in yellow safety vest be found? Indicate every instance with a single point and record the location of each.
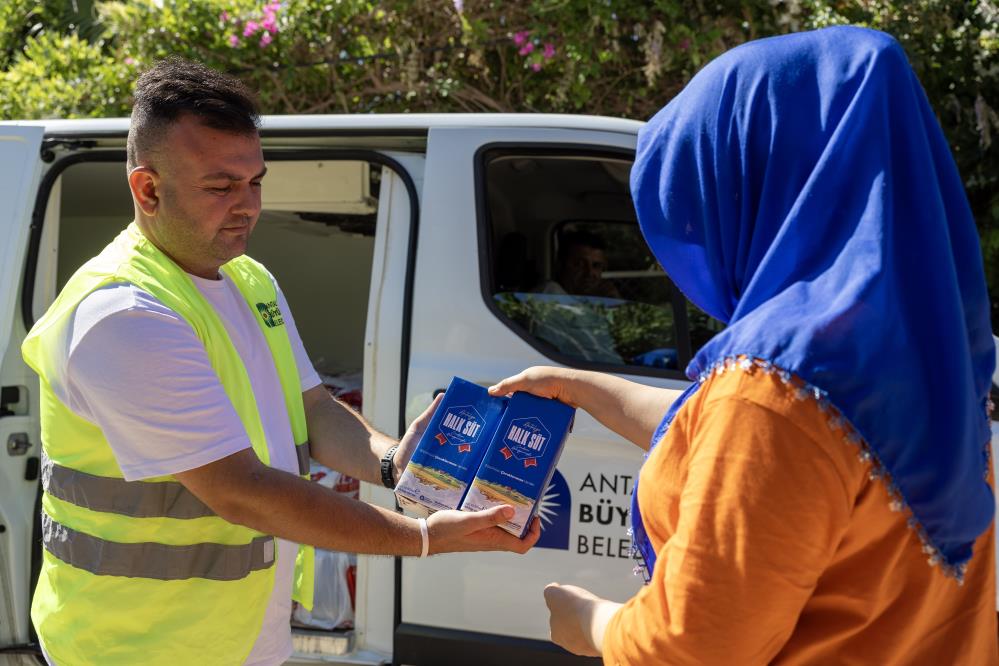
(179, 413)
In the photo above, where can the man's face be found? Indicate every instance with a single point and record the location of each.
(209, 194)
(583, 270)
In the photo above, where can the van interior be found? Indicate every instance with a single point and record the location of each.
(319, 244)
(328, 230)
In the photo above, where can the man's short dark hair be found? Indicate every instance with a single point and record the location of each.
(174, 87)
(571, 239)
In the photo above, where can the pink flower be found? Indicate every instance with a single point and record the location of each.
(251, 27)
(549, 52)
(273, 7)
(459, 6)
(684, 44)
(233, 40)
(224, 17)
(526, 49)
(536, 66)
(129, 61)
(269, 23)
(265, 39)
(520, 38)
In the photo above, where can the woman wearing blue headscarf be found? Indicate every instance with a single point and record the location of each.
(821, 493)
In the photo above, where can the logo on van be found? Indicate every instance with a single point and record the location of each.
(271, 314)
(555, 511)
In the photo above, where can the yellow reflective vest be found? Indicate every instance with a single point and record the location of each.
(143, 571)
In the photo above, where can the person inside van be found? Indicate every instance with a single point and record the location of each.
(569, 312)
(821, 493)
(580, 263)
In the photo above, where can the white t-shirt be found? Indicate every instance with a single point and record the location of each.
(135, 368)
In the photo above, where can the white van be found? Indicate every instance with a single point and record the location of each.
(411, 248)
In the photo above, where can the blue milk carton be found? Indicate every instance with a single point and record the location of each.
(521, 459)
(450, 450)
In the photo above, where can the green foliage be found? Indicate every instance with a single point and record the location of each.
(589, 329)
(16, 23)
(639, 327)
(954, 49)
(617, 58)
(77, 80)
(21, 19)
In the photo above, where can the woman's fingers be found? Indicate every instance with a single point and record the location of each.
(509, 385)
(543, 381)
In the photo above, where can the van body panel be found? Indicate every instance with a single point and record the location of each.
(455, 332)
(20, 173)
(375, 123)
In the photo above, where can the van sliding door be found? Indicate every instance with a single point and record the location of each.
(496, 205)
(20, 174)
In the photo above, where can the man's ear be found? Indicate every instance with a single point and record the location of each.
(144, 183)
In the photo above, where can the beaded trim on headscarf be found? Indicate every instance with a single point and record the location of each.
(837, 422)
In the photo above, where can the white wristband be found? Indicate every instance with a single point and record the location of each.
(424, 537)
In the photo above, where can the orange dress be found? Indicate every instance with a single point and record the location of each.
(776, 547)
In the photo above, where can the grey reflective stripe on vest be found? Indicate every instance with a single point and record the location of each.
(214, 561)
(302, 451)
(138, 499)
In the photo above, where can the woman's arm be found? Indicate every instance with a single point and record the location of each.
(632, 410)
(760, 513)
(579, 618)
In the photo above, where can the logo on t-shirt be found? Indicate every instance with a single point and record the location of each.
(271, 314)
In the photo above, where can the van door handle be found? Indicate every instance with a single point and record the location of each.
(10, 396)
(18, 444)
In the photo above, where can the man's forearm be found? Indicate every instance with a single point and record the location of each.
(272, 501)
(243, 490)
(632, 410)
(341, 439)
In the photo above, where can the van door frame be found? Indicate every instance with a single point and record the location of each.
(275, 154)
(22, 146)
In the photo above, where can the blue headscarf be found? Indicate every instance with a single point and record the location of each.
(800, 190)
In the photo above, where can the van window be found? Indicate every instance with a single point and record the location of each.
(569, 270)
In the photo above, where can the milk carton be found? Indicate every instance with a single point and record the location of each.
(450, 450)
(521, 459)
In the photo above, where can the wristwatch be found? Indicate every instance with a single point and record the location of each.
(388, 467)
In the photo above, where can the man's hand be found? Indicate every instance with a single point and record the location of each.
(407, 445)
(540, 380)
(464, 531)
(578, 618)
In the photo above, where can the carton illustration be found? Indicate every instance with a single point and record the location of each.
(450, 450)
(520, 460)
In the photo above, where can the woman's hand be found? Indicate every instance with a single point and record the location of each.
(543, 381)
(630, 409)
(578, 618)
